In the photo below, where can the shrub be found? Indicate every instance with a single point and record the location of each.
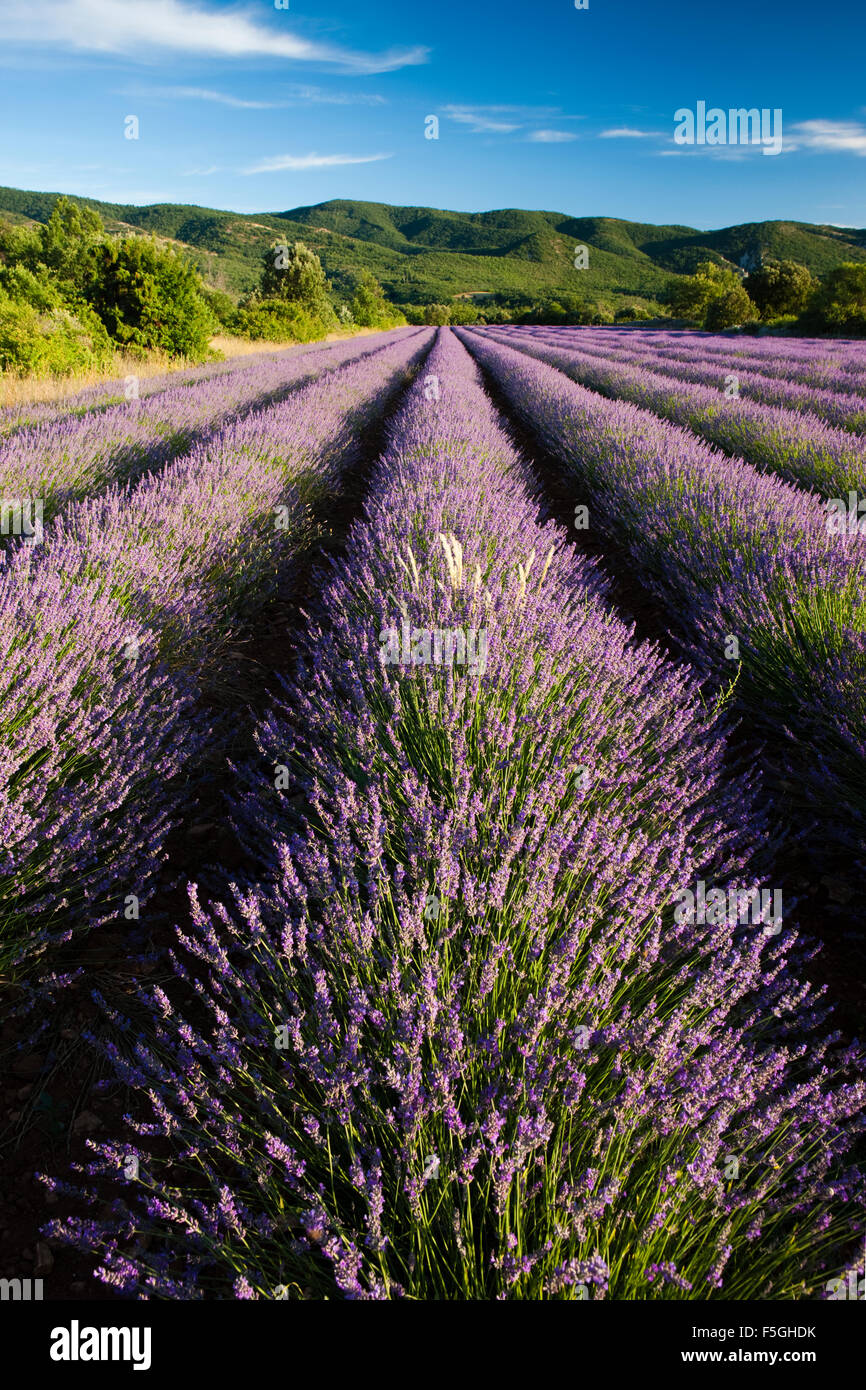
(51, 340)
(839, 304)
(728, 309)
(278, 321)
(148, 296)
(293, 273)
(780, 287)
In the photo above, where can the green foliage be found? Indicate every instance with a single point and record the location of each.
(68, 246)
(51, 339)
(278, 321)
(518, 259)
(728, 309)
(839, 304)
(221, 305)
(148, 297)
(713, 297)
(293, 273)
(691, 296)
(780, 288)
(369, 307)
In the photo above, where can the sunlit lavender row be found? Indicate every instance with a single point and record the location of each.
(79, 455)
(455, 1042)
(110, 624)
(761, 589)
(800, 447)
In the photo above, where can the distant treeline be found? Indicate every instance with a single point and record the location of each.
(72, 296)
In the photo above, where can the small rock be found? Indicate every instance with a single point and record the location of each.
(838, 889)
(44, 1258)
(24, 1092)
(86, 1122)
(77, 1286)
(201, 828)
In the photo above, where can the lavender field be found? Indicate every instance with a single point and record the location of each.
(433, 791)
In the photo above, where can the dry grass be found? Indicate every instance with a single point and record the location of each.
(28, 390)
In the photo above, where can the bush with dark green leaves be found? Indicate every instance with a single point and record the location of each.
(780, 288)
(729, 309)
(148, 296)
(839, 304)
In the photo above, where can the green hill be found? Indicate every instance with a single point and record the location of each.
(424, 255)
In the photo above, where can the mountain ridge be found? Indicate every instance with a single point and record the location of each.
(426, 254)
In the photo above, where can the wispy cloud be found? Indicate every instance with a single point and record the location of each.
(201, 173)
(551, 137)
(310, 161)
(223, 98)
(138, 27)
(482, 120)
(504, 120)
(626, 132)
(299, 95)
(830, 137)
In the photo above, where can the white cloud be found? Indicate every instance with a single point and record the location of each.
(310, 161)
(625, 132)
(480, 121)
(203, 94)
(551, 137)
(132, 27)
(831, 137)
(504, 120)
(300, 94)
(319, 95)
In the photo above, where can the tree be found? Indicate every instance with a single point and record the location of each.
(690, 296)
(148, 296)
(780, 287)
(68, 246)
(839, 304)
(292, 272)
(369, 307)
(729, 309)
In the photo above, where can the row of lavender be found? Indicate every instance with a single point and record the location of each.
(826, 364)
(108, 628)
(750, 575)
(78, 456)
(459, 1045)
(729, 375)
(114, 392)
(798, 446)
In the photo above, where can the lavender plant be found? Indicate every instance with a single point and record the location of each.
(123, 590)
(454, 1043)
(799, 447)
(734, 554)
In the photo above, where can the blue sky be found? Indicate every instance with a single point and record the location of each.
(258, 108)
